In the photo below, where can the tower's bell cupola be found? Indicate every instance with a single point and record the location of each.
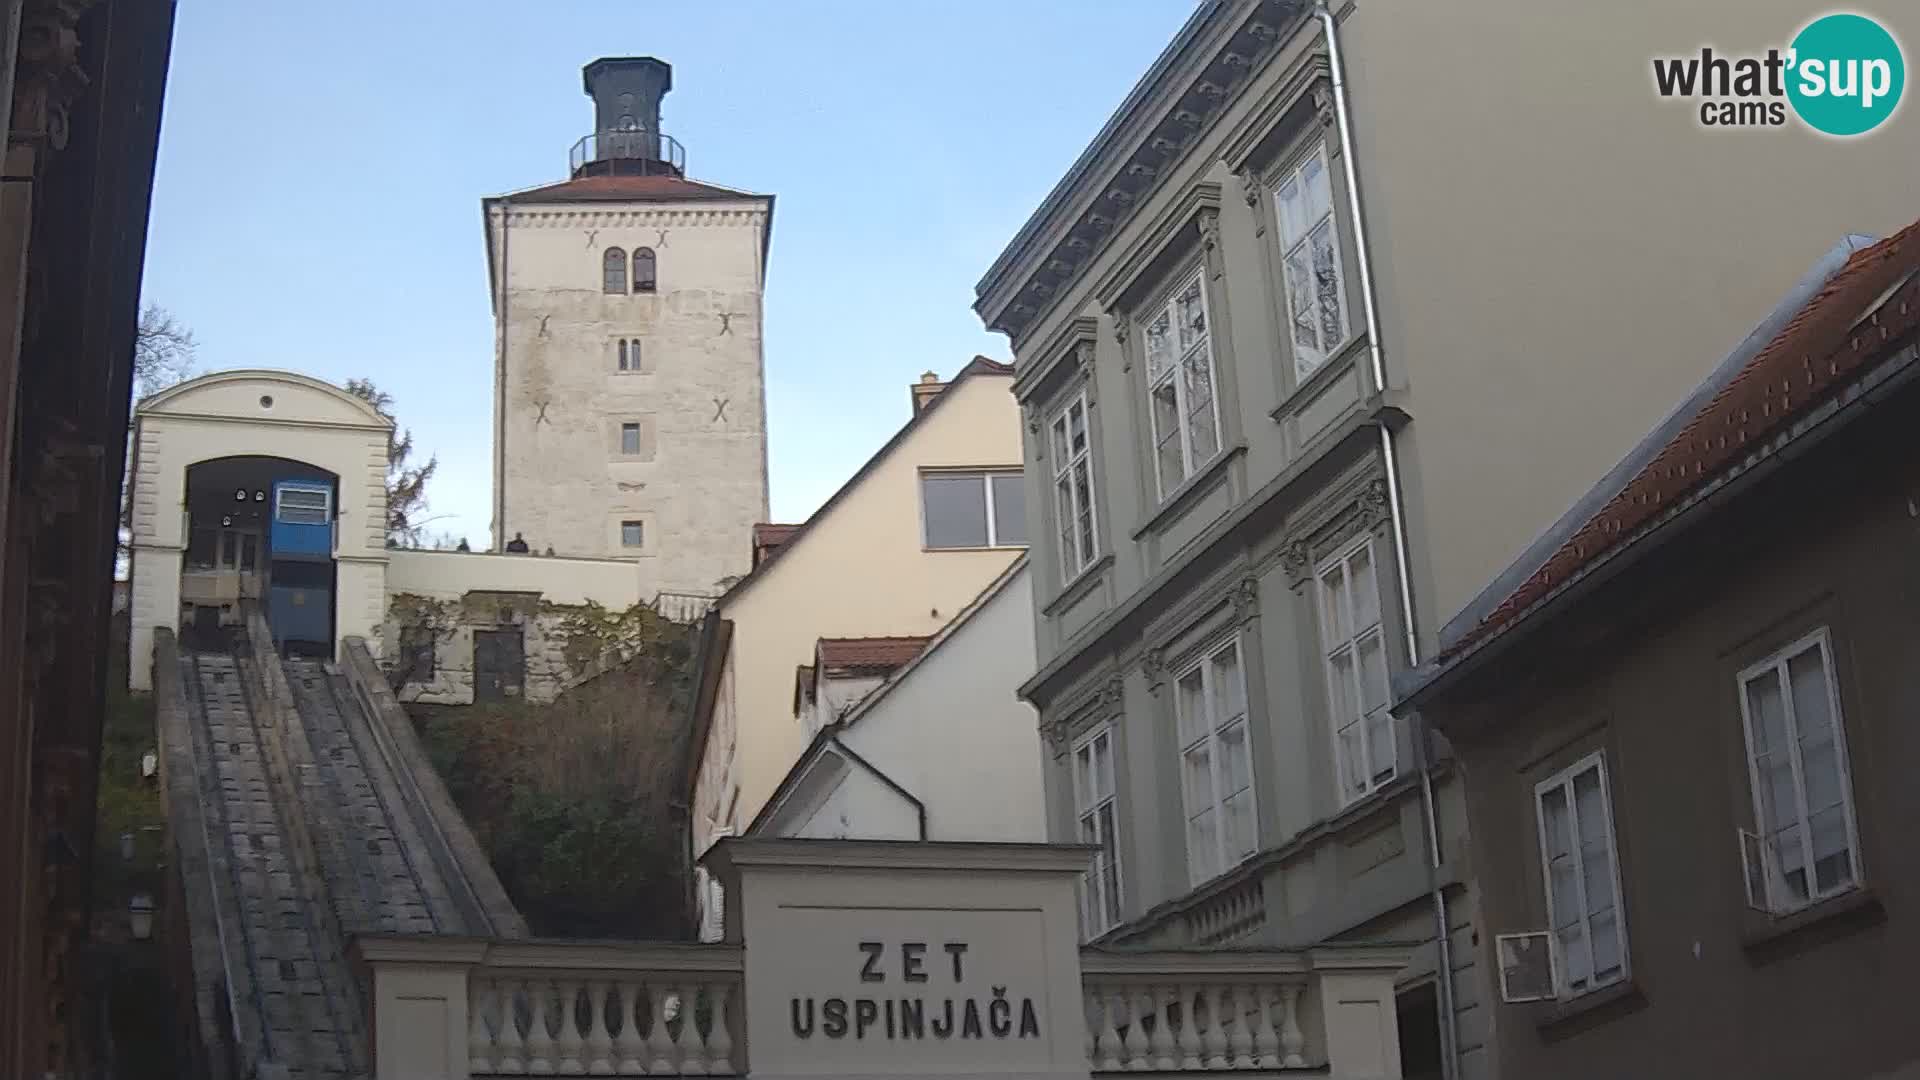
(627, 139)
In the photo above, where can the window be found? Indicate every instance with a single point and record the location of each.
(1581, 870)
(1093, 805)
(1356, 657)
(1073, 487)
(632, 534)
(1216, 765)
(627, 351)
(613, 271)
(971, 510)
(1186, 421)
(1310, 261)
(630, 438)
(643, 275)
(1802, 794)
(417, 648)
(303, 505)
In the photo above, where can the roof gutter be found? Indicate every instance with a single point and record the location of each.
(1403, 562)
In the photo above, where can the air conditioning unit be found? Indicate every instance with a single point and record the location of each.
(1529, 966)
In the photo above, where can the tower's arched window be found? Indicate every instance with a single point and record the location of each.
(629, 354)
(643, 270)
(613, 271)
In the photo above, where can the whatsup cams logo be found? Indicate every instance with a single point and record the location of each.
(1841, 75)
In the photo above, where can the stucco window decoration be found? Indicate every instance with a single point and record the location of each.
(1364, 740)
(1581, 873)
(644, 277)
(1310, 261)
(973, 509)
(627, 354)
(1806, 845)
(1094, 809)
(633, 534)
(1216, 763)
(1180, 380)
(1073, 501)
(613, 272)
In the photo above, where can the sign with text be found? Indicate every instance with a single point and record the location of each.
(940, 989)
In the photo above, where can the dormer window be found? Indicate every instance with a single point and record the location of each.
(613, 271)
(643, 278)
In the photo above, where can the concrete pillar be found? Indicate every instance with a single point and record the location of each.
(1361, 1031)
(419, 1004)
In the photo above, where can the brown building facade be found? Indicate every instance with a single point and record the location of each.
(1687, 725)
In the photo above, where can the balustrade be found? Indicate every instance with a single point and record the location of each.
(1192, 1012)
(601, 1024)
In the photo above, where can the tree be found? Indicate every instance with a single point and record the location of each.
(163, 355)
(163, 352)
(406, 484)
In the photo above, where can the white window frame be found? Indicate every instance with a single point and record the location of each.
(1200, 870)
(1178, 363)
(985, 476)
(326, 503)
(1306, 362)
(1330, 650)
(1563, 781)
(1777, 899)
(1099, 911)
(1078, 549)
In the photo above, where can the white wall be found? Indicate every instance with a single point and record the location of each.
(951, 730)
(700, 482)
(613, 584)
(254, 412)
(954, 732)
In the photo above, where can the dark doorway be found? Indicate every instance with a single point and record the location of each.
(499, 665)
(1418, 1008)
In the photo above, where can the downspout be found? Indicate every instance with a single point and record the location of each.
(500, 392)
(1403, 562)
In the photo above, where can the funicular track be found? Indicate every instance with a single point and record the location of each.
(295, 992)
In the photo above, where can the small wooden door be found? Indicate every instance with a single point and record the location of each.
(499, 665)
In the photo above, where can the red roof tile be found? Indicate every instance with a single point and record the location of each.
(1813, 354)
(767, 539)
(649, 188)
(868, 655)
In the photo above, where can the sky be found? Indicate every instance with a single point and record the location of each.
(317, 199)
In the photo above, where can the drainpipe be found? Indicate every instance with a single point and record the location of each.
(1403, 563)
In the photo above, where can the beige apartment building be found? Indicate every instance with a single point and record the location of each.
(1339, 311)
(898, 552)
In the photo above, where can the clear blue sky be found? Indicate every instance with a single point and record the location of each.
(317, 201)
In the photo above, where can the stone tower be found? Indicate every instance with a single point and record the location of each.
(629, 402)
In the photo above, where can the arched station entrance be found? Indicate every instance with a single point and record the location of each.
(263, 529)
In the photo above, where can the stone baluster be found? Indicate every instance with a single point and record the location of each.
(1163, 1045)
(1266, 1041)
(1239, 1032)
(1189, 1031)
(1217, 1003)
(1110, 1047)
(659, 1043)
(512, 1059)
(1137, 1056)
(629, 1049)
(720, 1042)
(1293, 1041)
(693, 1050)
(479, 1041)
(600, 1041)
(570, 1043)
(539, 1035)
(1093, 1015)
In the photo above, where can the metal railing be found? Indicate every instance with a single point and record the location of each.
(636, 150)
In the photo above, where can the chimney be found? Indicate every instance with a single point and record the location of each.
(626, 93)
(926, 390)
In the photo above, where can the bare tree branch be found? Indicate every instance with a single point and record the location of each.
(406, 484)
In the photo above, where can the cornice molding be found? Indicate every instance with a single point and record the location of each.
(1064, 346)
(1358, 504)
(1310, 75)
(1194, 97)
(528, 217)
(1199, 207)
